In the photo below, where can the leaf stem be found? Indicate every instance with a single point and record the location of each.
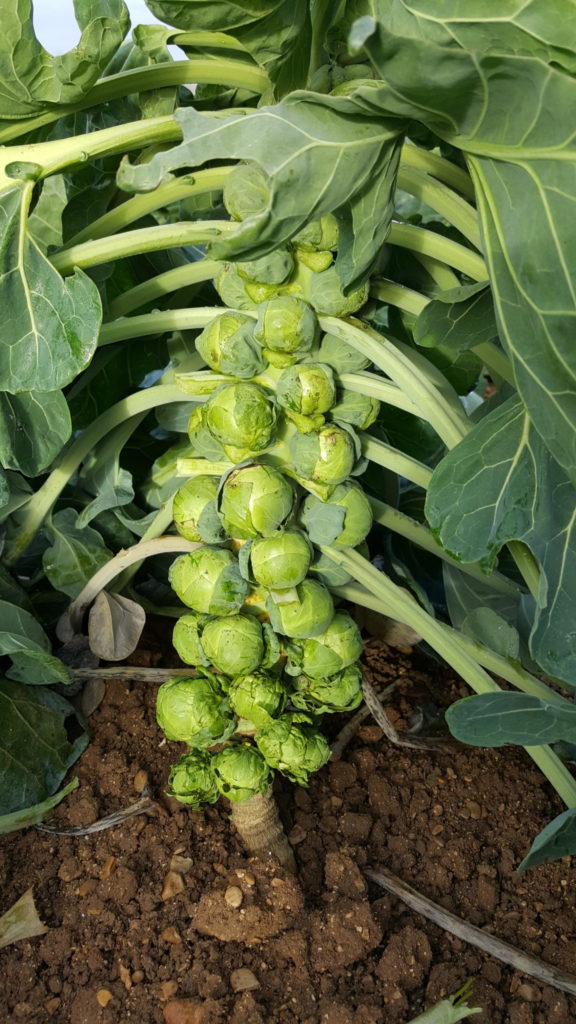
(376, 387)
(429, 243)
(435, 399)
(139, 206)
(203, 71)
(45, 497)
(436, 165)
(398, 295)
(496, 361)
(443, 200)
(390, 458)
(163, 284)
(133, 243)
(158, 322)
(128, 556)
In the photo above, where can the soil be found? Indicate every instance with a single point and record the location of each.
(164, 918)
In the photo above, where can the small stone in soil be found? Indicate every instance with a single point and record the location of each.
(168, 988)
(180, 864)
(185, 1011)
(173, 885)
(103, 996)
(171, 934)
(140, 780)
(242, 980)
(233, 896)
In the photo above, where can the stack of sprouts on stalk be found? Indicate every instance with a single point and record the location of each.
(274, 456)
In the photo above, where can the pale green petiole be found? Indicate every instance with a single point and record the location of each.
(139, 206)
(203, 71)
(162, 284)
(443, 200)
(420, 240)
(134, 243)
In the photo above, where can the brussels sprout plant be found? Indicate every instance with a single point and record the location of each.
(284, 348)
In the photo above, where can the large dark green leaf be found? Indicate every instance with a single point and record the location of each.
(35, 752)
(74, 555)
(49, 326)
(34, 426)
(322, 153)
(500, 484)
(25, 642)
(31, 79)
(493, 83)
(276, 32)
(493, 719)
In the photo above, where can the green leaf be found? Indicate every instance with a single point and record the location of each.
(74, 555)
(494, 85)
(493, 719)
(458, 325)
(557, 840)
(31, 80)
(25, 642)
(49, 328)
(490, 629)
(324, 522)
(501, 484)
(34, 815)
(276, 32)
(321, 153)
(19, 493)
(35, 752)
(34, 427)
(45, 223)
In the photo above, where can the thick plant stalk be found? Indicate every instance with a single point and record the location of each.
(258, 823)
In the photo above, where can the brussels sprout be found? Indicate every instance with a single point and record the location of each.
(359, 410)
(232, 289)
(258, 697)
(255, 500)
(327, 297)
(310, 615)
(281, 560)
(286, 325)
(228, 345)
(315, 261)
(209, 581)
(194, 711)
(294, 748)
(340, 356)
(192, 780)
(246, 191)
(342, 692)
(242, 415)
(241, 772)
(195, 506)
(338, 647)
(324, 456)
(233, 644)
(201, 439)
(186, 639)
(272, 269)
(306, 388)
(343, 521)
(318, 234)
